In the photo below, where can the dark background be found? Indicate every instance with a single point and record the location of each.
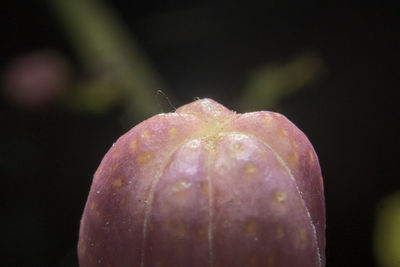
(351, 115)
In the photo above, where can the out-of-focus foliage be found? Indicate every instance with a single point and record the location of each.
(121, 71)
(118, 68)
(387, 232)
(270, 82)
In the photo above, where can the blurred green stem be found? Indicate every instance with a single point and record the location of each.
(110, 54)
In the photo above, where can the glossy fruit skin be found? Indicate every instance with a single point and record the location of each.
(205, 186)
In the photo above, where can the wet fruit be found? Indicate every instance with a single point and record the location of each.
(205, 186)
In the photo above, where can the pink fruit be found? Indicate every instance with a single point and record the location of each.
(205, 186)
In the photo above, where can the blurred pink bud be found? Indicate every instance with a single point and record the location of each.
(36, 80)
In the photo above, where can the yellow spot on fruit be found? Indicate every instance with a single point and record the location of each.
(133, 145)
(123, 200)
(268, 119)
(310, 157)
(253, 260)
(294, 157)
(181, 229)
(204, 187)
(271, 260)
(164, 204)
(114, 152)
(181, 186)
(250, 168)
(301, 236)
(177, 228)
(280, 196)
(284, 132)
(294, 144)
(202, 233)
(251, 227)
(146, 134)
(118, 182)
(160, 263)
(236, 147)
(172, 131)
(144, 158)
(264, 260)
(81, 245)
(93, 208)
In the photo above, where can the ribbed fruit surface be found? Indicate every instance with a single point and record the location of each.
(206, 187)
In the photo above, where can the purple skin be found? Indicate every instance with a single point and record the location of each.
(205, 186)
